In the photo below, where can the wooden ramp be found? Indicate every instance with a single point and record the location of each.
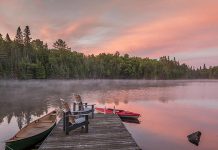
(105, 132)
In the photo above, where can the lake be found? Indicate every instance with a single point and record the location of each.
(170, 110)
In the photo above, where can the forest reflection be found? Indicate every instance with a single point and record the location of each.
(179, 106)
(27, 99)
(22, 109)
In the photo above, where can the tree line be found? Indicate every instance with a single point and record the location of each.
(24, 58)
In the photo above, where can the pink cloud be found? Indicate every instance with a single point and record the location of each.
(197, 62)
(74, 29)
(140, 28)
(184, 31)
(5, 26)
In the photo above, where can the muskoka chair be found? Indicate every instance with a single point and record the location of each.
(80, 120)
(83, 108)
(87, 109)
(73, 120)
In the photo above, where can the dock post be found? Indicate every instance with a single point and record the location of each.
(93, 111)
(87, 124)
(67, 122)
(74, 106)
(79, 107)
(64, 121)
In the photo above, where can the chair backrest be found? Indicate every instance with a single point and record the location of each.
(67, 108)
(79, 101)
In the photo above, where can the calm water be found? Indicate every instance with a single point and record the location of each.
(170, 109)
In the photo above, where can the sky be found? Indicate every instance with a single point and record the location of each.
(185, 29)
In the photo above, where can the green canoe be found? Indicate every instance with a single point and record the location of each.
(32, 133)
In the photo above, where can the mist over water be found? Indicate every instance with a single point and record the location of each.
(170, 109)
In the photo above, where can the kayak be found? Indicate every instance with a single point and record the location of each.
(32, 133)
(120, 113)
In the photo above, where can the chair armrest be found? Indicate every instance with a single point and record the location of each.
(85, 104)
(78, 115)
(81, 111)
(90, 105)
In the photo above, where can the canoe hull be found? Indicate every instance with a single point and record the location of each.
(130, 120)
(28, 142)
(32, 133)
(129, 117)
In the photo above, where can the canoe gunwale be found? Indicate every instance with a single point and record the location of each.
(35, 121)
(29, 141)
(29, 137)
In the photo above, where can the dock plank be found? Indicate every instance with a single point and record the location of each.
(106, 131)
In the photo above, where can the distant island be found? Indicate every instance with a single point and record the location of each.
(23, 58)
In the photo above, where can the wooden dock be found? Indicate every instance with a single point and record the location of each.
(105, 132)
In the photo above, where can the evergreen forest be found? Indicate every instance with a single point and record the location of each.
(25, 58)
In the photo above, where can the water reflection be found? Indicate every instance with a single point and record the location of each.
(170, 110)
(168, 125)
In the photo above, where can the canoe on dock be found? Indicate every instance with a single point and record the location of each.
(120, 113)
(32, 133)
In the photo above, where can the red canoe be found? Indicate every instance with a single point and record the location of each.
(120, 113)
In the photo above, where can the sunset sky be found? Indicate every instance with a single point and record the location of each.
(186, 29)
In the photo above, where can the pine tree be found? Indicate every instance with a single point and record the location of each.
(26, 34)
(19, 36)
(7, 38)
(1, 36)
(61, 45)
(46, 46)
(204, 67)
